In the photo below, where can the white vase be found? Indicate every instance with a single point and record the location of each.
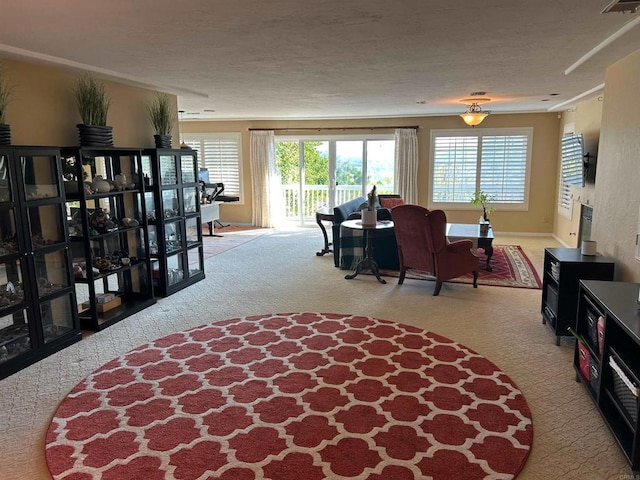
(369, 217)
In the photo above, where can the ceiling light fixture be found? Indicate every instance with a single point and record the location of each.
(474, 114)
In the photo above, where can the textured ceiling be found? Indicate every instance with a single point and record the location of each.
(303, 59)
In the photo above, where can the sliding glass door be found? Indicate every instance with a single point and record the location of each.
(321, 172)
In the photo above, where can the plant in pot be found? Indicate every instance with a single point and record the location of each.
(93, 105)
(6, 91)
(161, 116)
(483, 199)
(370, 215)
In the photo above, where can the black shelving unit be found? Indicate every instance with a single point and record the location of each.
(606, 357)
(563, 269)
(37, 299)
(172, 203)
(109, 234)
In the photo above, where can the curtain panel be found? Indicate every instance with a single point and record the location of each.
(406, 164)
(265, 180)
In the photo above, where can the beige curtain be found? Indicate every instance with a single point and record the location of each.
(265, 180)
(406, 164)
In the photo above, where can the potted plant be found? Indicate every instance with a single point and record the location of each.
(93, 105)
(5, 96)
(370, 215)
(482, 199)
(161, 116)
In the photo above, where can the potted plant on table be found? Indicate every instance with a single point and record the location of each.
(161, 115)
(5, 96)
(483, 199)
(370, 215)
(93, 105)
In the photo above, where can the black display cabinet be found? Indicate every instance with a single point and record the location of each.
(108, 231)
(37, 299)
(172, 200)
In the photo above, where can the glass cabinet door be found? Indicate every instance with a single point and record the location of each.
(168, 170)
(190, 195)
(173, 236)
(170, 203)
(57, 317)
(8, 235)
(52, 272)
(46, 226)
(195, 261)
(11, 283)
(5, 177)
(188, 167)
(191, 229)
(40, 176)
(175, 269)
(14, 335)
(150, 206)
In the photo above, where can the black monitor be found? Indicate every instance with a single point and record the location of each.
(203, 175)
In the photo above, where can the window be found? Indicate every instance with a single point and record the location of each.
(495, 161)
(221, 154)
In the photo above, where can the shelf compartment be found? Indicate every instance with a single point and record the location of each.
(15, 339)
(625, 387)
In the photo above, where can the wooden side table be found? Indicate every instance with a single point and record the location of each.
(324, 214)
(367, 263)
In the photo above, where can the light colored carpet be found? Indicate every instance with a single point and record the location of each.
(281, 273)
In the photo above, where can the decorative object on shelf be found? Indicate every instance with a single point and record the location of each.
(93, 105)
(100, 185)
(6, 91)
(101, 222)
(120, 182)
(474, 114)
(370, 215)
(161, 116)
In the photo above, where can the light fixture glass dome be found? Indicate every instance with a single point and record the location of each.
(474, 114)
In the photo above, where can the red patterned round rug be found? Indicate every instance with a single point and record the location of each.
(293, 396)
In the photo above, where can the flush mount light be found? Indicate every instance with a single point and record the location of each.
(474, 114)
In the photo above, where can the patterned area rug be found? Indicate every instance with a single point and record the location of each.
(511, 268)
(290, 397)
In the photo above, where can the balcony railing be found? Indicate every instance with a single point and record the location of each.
(315, 197)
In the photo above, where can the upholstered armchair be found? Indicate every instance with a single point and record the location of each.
(422, 245)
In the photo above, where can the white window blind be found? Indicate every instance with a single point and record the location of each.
(494, 161)
(221, 154)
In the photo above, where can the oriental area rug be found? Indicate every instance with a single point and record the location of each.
(510, 268)
(296, 396)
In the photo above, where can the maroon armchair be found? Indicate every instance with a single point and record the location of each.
(422, 245)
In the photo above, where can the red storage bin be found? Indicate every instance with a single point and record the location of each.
(584, 360)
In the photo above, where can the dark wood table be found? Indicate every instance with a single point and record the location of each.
(471, 231)
(367, 263)
(324, 214)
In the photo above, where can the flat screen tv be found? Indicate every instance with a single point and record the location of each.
(578, 164)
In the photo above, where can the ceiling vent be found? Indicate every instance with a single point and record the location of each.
(622, 6)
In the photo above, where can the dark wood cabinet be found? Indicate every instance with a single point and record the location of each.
(607, 357)
(563, 269)
(37, 300)
(172, 202)
(108, 232)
